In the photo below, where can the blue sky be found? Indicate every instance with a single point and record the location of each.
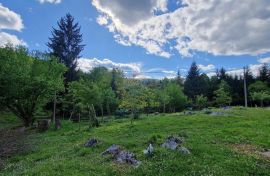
(150, 38)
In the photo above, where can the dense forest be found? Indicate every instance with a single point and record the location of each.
(35, 84)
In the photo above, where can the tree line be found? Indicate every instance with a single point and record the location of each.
(31, 81)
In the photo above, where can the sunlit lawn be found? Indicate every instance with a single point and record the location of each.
(219, 146)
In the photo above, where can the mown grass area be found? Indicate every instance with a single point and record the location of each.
(219, 146)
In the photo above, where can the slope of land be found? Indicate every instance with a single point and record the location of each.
(219, 145)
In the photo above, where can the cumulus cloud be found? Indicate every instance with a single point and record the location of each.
(50, 1)
(264, 60)
(206, 68)
(214, 26)
(87, 65)
(11, 21)
(133, 70)
(6, 38)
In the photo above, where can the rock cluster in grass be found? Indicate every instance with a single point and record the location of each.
(219, 114)
(122, 156)
(113, 150)
(174, 143)
(91, 142)
(189, 113)
(149, 151)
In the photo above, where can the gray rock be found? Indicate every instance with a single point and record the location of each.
(171, 143)
(127, 157)
(57, 124)
(149, 151)
(184, 151)
(114, 149)
(266, 154)
(227, 107)
(91, 143)
(219, 114)
(189, 113)
(122, 156)
(44, 125)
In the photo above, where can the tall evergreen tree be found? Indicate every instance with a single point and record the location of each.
(192, 84)
(264, 73)
(249, 76)
(222, 74)
(65, 44)
(179, 79)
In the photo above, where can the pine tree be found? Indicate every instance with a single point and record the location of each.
(222, 74)
(65, 44)
(192, 84)
(264, 73)
(179, 79)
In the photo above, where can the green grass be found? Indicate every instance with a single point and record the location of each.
(212, 141)
(8, 120)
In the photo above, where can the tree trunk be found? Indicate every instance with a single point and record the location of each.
(94, 111)
(108, 109)
(102, 113)
(54, 107)
(71, 114)
(164, 107)
(27, 121)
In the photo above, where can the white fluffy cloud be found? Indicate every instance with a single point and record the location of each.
(264, 60)
(6, 38)
(50, 1)
(206, 68)
(219, 27)
(133, 70)
(11, 21)
(87, 65)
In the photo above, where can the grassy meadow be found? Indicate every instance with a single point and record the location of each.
(219, 145)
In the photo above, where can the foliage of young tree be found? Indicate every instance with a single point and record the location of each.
(150, 98)
(117, 82)
(223, 95)
(163, 98)
(28, 83)
(85, 96)
(259, 91)
(177, 99)
(65, 44)
(134, 97)
(201, 101)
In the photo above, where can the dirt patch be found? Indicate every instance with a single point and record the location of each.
(266, 155)
(246, 149)
(249, 149)
(12, 142)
